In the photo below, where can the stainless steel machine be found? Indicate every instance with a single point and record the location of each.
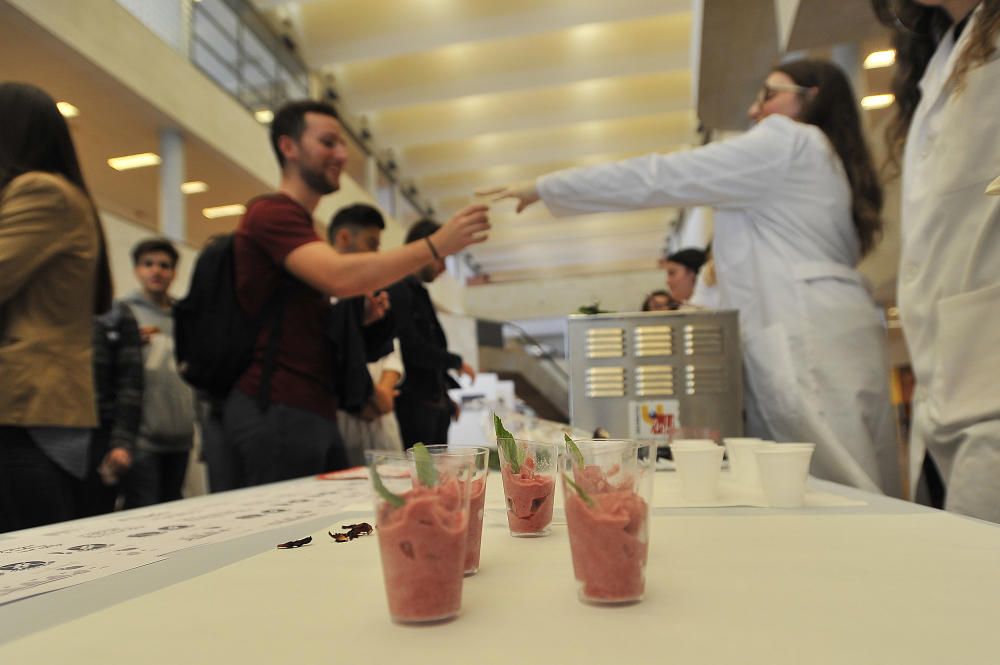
(639, 375)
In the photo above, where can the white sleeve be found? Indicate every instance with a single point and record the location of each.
(736, 173)
(393, 362)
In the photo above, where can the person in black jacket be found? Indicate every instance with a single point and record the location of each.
(118, 379)
(423, 408)
(369, 365)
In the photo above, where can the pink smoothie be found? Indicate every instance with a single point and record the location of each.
(609, 544)
(474, 540)
(594, 480)
(529, 498)
(423, 555)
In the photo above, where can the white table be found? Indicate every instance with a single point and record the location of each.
(888, 582)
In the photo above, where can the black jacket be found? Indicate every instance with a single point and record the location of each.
(423, 343)
(354, 346)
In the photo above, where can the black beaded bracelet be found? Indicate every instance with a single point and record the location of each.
(434, 252)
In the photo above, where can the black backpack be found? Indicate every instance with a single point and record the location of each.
(213, 337)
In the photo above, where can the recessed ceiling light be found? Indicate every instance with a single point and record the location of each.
(134, 161)
(194, 187)
(878, 59)
(67, 109)
(224, 211)
(264, 116)
(872, 102)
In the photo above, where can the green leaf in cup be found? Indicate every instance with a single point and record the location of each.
(579, 490)
(506, 440)
(574, 450)
(394, 500)
(426, 472)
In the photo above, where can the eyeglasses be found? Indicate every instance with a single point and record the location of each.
(769, 90)
(907, 18)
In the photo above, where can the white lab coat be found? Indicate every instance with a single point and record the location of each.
(949, 278)
(704, 295)
(785, 250)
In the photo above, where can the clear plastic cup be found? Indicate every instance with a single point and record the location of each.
(742, 461)
(477, 498)
(529, 485)
(783, 469)
(421, 527)
(699, 466)
(608, 488)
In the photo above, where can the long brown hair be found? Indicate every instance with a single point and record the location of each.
(34, 137)
(834, 110)
(917, 31)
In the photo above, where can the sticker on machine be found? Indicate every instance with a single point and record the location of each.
(653, 418)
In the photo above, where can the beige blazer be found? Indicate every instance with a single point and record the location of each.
(48, 270)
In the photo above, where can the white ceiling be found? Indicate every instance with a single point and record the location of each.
(474, 93)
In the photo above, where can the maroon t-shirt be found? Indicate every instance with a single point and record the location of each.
(271, 228)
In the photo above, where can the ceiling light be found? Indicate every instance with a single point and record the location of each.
(134, 161)
(194, 187)
(67, 109)
(878, 59)
(264, 116)
(586, 33)
(224, 211)
(872, 102)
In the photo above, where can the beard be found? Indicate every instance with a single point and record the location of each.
(317, 181)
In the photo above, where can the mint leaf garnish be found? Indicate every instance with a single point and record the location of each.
(426, 473)
(394, 499)
(574, 450)
(579, 490)
(506, 440)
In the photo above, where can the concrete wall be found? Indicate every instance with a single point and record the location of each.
(106, 34)
(561, 296)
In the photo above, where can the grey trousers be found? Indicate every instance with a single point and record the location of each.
(280, 443)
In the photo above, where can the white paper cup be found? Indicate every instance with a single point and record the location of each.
(742, 461)
(783, 469)
(701, 444)
(699, 468)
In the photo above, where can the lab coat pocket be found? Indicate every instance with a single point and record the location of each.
(967, 365)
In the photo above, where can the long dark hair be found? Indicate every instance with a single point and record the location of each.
(834, 110)
(917, 31)
(34, 137)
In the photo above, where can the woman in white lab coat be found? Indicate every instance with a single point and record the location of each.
(947, 87)
(797, 205)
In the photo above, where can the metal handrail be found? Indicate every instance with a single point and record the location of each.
(525, 336)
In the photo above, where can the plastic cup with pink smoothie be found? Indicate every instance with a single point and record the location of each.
(477, 498)
(607, 485)
(528, 470)
(422, 531)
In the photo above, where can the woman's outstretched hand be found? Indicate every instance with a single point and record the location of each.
(525, 192)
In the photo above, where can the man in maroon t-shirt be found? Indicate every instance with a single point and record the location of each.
(276, 247)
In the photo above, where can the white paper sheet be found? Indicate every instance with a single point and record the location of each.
(60, 555)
